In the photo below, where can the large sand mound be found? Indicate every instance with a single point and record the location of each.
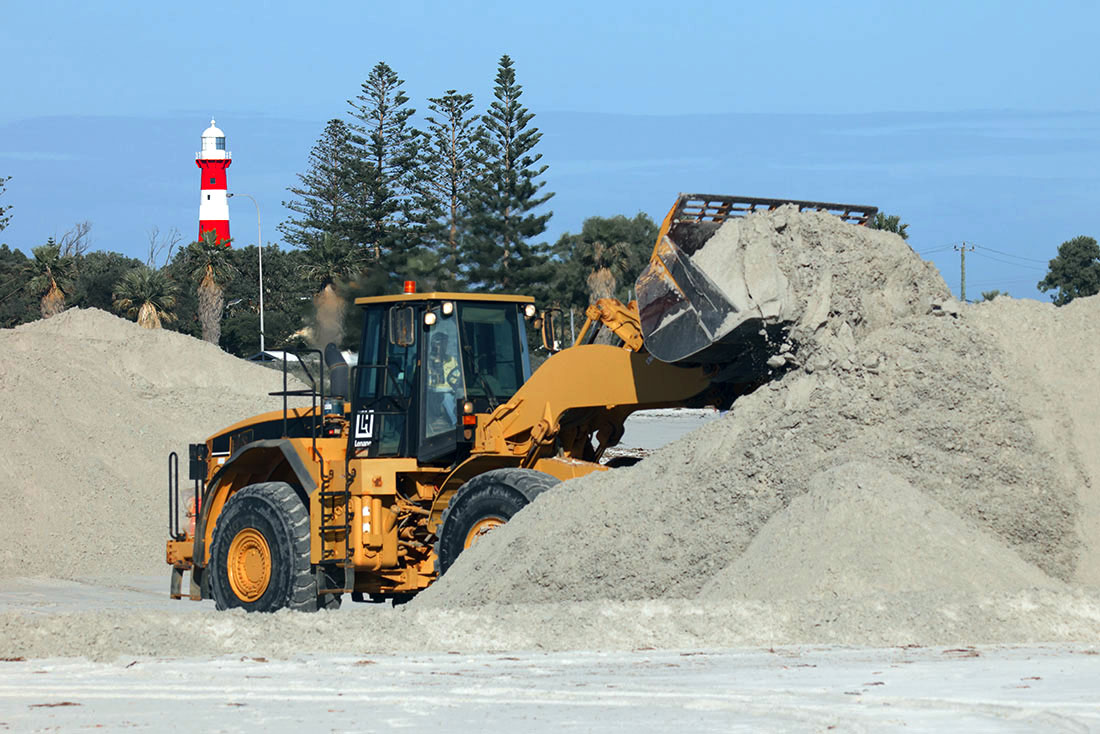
(978, 418)
(922, 472)
(92, 404)
(863, 530)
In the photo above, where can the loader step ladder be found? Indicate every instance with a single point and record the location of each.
(335, 528)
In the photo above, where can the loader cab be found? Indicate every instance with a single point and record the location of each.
(425, 360)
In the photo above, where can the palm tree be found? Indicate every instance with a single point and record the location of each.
(331, 261)
(209, 263)
(604, 260)
(890, 223)
(147, 295)
(52, 273)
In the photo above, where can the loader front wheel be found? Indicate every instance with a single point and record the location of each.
(259, 558)
(484, 503)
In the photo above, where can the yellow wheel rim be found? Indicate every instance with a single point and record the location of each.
(480, 528)
(249, 565)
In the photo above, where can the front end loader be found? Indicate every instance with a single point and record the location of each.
(439, 433)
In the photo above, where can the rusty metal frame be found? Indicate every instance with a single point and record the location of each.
(719, 208)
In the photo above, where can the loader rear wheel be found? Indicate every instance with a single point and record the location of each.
(484, 503)
(259, 558)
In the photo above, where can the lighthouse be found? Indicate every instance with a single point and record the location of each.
(212, 160)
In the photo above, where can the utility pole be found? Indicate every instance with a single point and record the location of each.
(962, 266)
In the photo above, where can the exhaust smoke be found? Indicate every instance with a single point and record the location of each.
(328, 317)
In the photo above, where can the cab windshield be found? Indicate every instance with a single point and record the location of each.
(493, 357)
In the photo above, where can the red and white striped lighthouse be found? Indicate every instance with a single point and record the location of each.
(213, 159)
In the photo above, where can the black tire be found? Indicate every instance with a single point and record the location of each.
(273, 512)
(498, 494)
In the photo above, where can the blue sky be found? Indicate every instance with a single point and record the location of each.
(975, 121)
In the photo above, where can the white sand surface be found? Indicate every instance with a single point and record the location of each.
(783, 689)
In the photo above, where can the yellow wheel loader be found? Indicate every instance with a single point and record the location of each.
(441, 432)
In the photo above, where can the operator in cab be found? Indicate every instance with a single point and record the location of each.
(444, 376)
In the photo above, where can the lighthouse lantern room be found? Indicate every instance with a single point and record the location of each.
(212, 160)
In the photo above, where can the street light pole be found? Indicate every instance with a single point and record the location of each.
(260, 251)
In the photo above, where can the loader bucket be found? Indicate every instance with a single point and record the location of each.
(686, 318)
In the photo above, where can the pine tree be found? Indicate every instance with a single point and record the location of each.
(449, 170)
(18, 303)
(386, 212)
(4, 216)
(498, 255)
(322, 199)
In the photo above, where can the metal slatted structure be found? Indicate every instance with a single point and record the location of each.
(718, 208)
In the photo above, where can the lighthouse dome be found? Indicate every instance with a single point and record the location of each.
(213, 143)
(213, 131)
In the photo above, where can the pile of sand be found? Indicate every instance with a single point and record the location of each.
(861, 531)
(918, 449)
(92, 405)
(814, 282)
(922, 472)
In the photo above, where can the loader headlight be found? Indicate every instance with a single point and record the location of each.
(448, 308)
(529, 310)
(429, 318)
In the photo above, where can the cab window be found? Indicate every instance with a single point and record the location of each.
(491, 353)
(443, 366)
(386, 381)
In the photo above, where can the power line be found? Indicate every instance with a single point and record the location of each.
(1009, 254)
(1011, 281)
(922, 253)
(1008, 262)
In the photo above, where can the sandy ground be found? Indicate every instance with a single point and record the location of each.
(795, 689)
(648, 430)
(625, 655)
(790, 688)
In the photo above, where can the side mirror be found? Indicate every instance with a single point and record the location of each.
(551, 341)
(402, 326)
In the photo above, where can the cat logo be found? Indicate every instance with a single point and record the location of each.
(364, 428)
